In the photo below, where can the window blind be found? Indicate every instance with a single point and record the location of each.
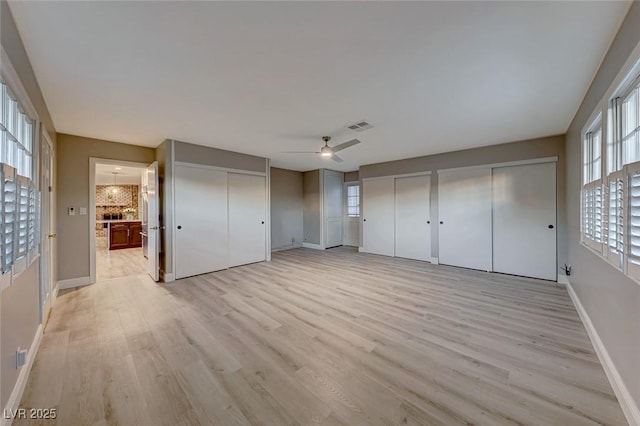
(8, 192)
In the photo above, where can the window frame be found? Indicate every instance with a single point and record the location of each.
(347, 197)
(17, 91)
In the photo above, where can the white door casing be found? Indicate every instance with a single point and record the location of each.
(46, 226)
(413, 217)
(524, 220)
(247, 218)
(464, 214)
(153, 221)
(201, 243)
(378, 216)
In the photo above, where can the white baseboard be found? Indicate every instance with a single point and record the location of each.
(434, 261)
(16, 395)
(54, 295)
(312, 246)
(74, 282)
(629, 406)
(285, 248)
(361, 250)
(563, 279)
(168, 278)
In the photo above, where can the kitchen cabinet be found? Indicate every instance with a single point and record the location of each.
(125, 235)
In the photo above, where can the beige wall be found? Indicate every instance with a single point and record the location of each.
(287, 208)
(351, 176)
(552, 146)
(196, 154)
(611, 300)
(311, 200)
(19, 319)
(73, 190)
(19, 304)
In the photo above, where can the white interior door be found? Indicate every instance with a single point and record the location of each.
(524, 220)
(332, 204)
(201, 221)
(247, 214)
(153, 221)
(464, 215)
(413, 217)
(378, 216)
(46, 235)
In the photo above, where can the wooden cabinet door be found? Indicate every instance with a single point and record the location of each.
(135, 238)
(119, 236)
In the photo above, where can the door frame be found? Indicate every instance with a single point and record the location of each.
(52, 285)
(93, 162)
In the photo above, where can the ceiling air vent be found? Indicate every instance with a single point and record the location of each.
(361, 126)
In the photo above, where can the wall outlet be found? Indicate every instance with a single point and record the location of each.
(21, 357)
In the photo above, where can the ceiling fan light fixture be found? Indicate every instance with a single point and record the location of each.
(326, 153)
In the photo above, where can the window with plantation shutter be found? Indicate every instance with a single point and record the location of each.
(633, 224)
(615, 220)
(22, 219)
(8, 193)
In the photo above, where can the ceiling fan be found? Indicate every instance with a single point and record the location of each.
(329, 151)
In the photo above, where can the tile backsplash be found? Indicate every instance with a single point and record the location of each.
(110, 202)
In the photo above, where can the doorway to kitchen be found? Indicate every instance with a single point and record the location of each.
(120, 205)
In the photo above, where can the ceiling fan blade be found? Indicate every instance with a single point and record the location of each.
(299, 152)
(345, 145)
(337, 159)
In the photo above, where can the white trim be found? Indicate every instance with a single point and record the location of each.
(321, 207)
(172, 201)
(11, 77)
(284, 248)
(312, 246)
(74, 282)
(563, 279)
(629, 406)
(505, 164)
(222, 169)
(16, 395)
(267, 212)
(54, 294)
(403, 175)
(168, 278)
(434, 261)
(93, 162)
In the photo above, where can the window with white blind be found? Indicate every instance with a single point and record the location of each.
(18, 188)
(353, 200)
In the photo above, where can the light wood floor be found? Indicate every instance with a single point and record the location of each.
(329, 338)
(117, 263)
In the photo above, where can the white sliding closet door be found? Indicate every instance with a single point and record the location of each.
(378, 216)
(524, 220)
(200, 220)
(413, 229)
(464, 210)
(247, 215)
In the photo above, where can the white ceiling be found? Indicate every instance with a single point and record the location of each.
(266, 77)
(125, 175)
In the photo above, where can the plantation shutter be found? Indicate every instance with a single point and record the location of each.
(8, 192)
(633, 258)
(615, 222)
(22, 238)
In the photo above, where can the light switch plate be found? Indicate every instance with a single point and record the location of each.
(83, 211)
